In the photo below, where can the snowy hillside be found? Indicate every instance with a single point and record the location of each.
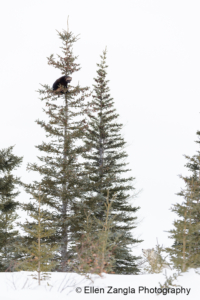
(20, 285)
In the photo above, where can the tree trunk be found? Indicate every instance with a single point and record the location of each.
(184, 241)
(101, 150)
(64, 239)
(39, 248)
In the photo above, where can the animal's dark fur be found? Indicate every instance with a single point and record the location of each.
(61, 83)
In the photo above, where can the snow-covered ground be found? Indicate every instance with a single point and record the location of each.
(20, 285)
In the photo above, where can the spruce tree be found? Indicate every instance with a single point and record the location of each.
(185, 252)
(59, 165)
(106, 169)
(8, 205)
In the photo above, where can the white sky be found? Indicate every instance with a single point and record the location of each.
(154, 62)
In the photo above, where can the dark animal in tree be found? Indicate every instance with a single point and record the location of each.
(60, 85)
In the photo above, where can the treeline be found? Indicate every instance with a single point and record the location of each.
(80, 212)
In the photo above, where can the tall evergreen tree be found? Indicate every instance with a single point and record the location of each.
(185, 252)
(106, 170)
(8, 206)
(60, 168)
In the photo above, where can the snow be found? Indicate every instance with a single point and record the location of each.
(20, 285)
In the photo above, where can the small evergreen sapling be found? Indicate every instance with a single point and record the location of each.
(169, 281)
(96, 248)
(38, 254)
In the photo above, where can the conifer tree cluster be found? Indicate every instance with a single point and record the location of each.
(81, 159)
(185, 252)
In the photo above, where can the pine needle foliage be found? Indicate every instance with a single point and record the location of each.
(106, 169)
(38, 254)
(59, 166)
(8, 205)
(185, 252)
